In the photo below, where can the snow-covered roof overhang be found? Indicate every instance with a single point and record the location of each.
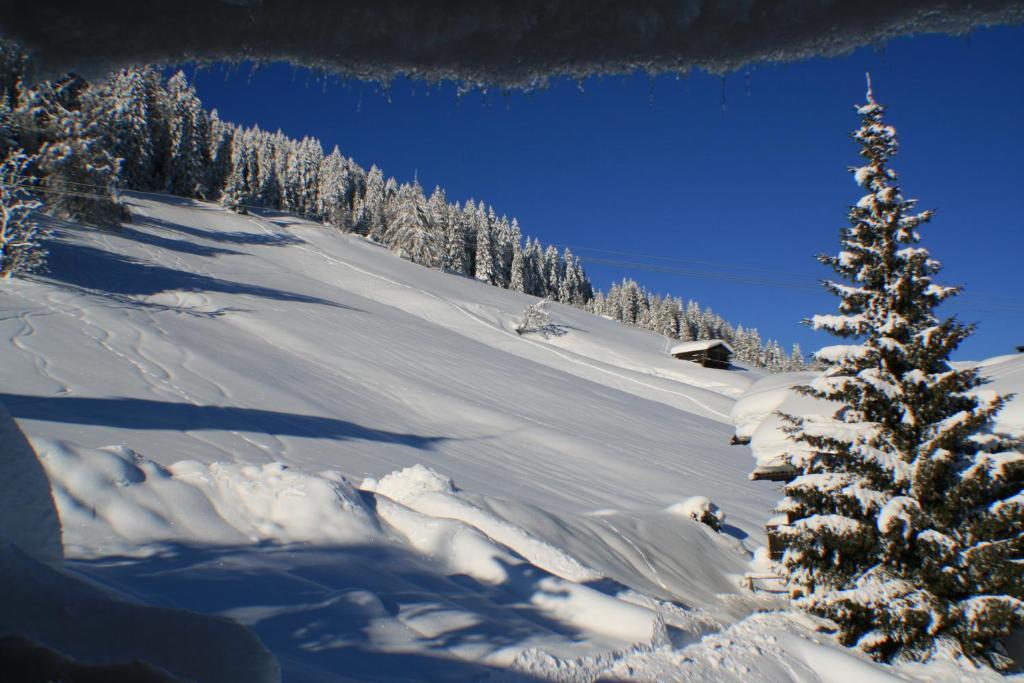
(500, 43)
(704, 345)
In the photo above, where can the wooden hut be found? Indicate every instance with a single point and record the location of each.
(711, 353)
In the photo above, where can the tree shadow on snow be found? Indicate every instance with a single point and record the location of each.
(182, 246)
(362, 612)
(137, 413)
(223, 236)
(108, 274)
(734, 531)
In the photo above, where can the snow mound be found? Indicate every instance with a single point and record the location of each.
(758, 417)
(467, 551)
(763, 399)
(425, 491)
(700, 509)
(111, 499)
(409, 483)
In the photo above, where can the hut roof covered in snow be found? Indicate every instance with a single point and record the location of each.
(703, 345)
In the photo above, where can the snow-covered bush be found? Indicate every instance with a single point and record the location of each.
(21, 246)
(905, 524)
(700, 509)
(535, 318)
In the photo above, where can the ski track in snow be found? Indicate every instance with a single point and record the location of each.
(654, 572)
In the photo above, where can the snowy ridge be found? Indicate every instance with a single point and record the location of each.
(203, 390)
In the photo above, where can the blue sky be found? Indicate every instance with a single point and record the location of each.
(723, 205)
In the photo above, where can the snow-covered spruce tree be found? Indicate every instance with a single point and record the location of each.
(240, 183)
(221, 135)
(905, 524)
(484, 250)
(456, 258)
(517, 281)
(334, 195)
(409, 233)
(61, 122)
(189, 155)
(129, 129)
(21, 248)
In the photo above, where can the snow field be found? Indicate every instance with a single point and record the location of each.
(203, 389)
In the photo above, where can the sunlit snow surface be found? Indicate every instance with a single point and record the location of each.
(359, 459)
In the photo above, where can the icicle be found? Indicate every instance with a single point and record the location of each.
(723, 93)
(253, 68)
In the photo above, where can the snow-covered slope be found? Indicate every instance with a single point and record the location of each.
(358, 458)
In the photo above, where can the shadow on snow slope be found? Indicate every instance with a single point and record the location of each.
(106, 273)
(226, 237)
(134, 413)
(361, 612)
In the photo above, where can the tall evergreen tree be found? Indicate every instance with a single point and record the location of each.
(240, 185)
(552, 271)
(372, 220)
(485, 266)
(536, 283)
(300, 176)
(409, 232)
(270, 153)
(906, 520)
(188, 161)
(61, 122)
(129, 128)
(456, 255)
(796, 359)
(221, 136)
(333, 193)
(517, 281)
